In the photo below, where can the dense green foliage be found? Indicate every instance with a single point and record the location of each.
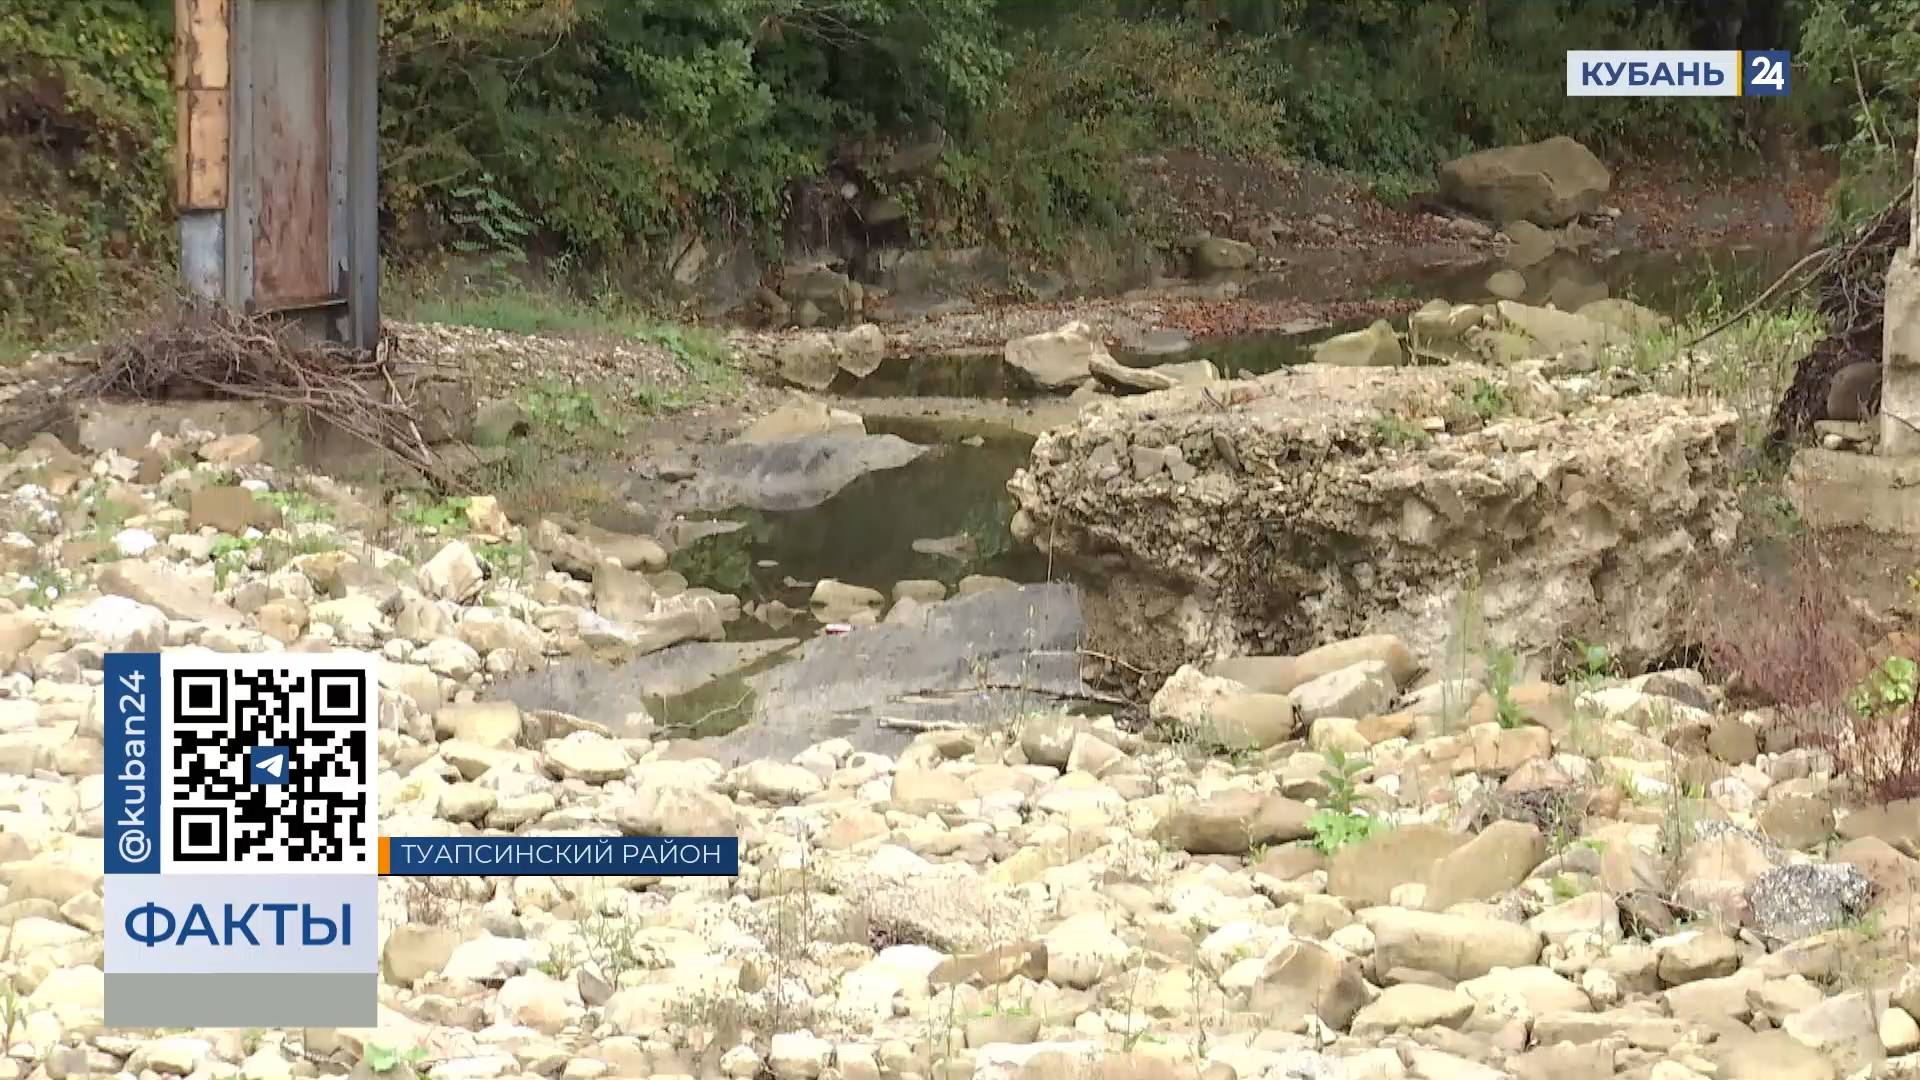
(1862, 70)
(86, 125)
(606, 131)
(613, 125)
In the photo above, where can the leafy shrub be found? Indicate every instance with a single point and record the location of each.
(605, 132)
(1085, 97)
(617, 126)
(1394, 89)
(1880, 745)
(86, 135)
(1859, 79)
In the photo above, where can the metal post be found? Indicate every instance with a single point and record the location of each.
(363, 174)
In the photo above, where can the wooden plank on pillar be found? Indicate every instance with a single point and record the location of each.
(202, 43)
(202, 153)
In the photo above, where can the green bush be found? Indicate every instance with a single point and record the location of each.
(1396, 89)
(1087, 95)
(86, 136)
(1858, 86)
(617, 126)
(605, 131)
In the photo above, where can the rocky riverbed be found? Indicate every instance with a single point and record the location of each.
(1363, 860)
(1341, 825)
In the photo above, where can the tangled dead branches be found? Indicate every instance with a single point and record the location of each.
(1848, 280)
(212, 353)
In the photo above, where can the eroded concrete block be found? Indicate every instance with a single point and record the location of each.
(1835, 489)
(1900, 382)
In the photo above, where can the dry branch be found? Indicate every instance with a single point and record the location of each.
(1849, 291)
(211, 353)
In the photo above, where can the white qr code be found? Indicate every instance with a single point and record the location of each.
(269, 764)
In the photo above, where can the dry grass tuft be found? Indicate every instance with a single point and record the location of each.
(1793, 639)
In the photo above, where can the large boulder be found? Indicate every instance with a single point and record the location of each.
(1552, 330)
(1374, 346)
(1456, 947)
(1584, 526)
(829, 296)
(1548, 183)
(1214, 255)
(1057, 358)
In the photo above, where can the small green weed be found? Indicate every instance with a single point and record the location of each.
(47, 584)
(384, 1059)
(1565, 887)
(1501, 667)
(653, 399)
(1867, 927)
(562, 958)
(298, 507)
(1595, 660)
(505, 559)
(702, 354)
(1342, 777)
(1333, 831)
(441, 515)
(556, 409)
(110, 515)
(1397, 433)
(1339, 822)
(230, 555)
(1486, 399)
(611, 944)
(1888, 688)
(12, 1011)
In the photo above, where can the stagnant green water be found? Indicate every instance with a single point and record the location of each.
(866, 534)
(955, 497)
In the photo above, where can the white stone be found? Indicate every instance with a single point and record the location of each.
(447, 656)
(116, 623)
(454, 573)
(490, 959)
(1083, 950)
(799, 1055)
(133, 543)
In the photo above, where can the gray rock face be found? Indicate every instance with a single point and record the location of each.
(1022, 638)
(794, 474)
(1584, 525)
(1800, 900)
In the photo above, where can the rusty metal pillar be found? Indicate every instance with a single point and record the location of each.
(203, 103)
(278, 162)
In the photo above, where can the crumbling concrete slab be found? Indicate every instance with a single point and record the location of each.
(1269, 516)
(1833, 490)
(1900, 377)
